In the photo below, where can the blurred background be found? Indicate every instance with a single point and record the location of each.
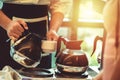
(85, 22)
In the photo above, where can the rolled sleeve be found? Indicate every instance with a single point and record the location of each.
(1, 4)
(62, 6)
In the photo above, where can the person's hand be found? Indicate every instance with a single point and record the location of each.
(52, 35)
(15, 29)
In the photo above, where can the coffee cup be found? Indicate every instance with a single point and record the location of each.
(48, 46)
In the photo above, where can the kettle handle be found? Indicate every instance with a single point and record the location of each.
(95, 43)
(27, 31)
(59, 44)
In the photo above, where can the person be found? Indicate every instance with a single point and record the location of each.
(32, 15)
(111, 60)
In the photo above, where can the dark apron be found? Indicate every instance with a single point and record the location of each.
(28, 12)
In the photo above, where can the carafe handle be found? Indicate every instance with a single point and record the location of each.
(95, 43)
(59, 45)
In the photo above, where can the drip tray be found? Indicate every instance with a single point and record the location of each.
(36, 72)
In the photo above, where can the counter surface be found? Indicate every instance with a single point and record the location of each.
(90, 72)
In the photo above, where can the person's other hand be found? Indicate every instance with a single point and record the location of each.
(15, 29)
(52, 35)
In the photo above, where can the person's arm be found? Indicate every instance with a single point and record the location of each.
(13, 28)
(57, 9)
(4, 20)
(55, 23)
